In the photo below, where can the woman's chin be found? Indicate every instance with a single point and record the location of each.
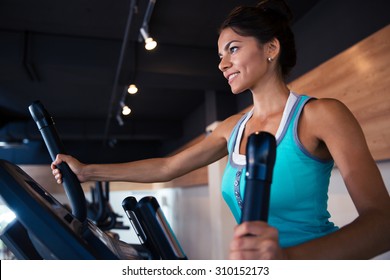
(237, 90)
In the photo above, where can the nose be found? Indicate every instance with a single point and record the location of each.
(224, 63)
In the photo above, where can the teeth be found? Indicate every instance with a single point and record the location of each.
(232, 76)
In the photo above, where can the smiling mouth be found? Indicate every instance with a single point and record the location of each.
(231, 77)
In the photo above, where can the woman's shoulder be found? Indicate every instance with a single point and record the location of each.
(324, 113)
(226, 126)
(325, 107)
(235, 119)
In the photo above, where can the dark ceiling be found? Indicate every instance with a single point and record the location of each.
(73, 57)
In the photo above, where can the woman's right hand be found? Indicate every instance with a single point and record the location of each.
(75, 165)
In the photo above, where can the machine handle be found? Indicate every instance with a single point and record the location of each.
(260, 161)
(55, 146)
(158, 229)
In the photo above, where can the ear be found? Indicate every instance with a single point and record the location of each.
(272, 48)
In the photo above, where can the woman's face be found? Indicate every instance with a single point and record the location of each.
(243, 60)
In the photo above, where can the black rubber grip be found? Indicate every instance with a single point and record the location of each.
(55, 146)
(260, 161)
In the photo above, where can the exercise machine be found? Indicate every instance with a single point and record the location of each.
(46, 229)
(99, 209)
(260, 161)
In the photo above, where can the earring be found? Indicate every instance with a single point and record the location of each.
(270, 59)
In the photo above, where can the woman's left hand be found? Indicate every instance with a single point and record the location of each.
(255, 240)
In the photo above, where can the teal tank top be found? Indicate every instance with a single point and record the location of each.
(299, 189)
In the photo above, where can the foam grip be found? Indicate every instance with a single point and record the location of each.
(260, 161)
(55, 146)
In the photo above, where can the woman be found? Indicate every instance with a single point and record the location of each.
(257, 51)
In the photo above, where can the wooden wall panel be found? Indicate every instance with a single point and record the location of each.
(360, 78)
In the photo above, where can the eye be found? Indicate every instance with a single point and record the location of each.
(233, 49)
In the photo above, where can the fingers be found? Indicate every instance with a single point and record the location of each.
(56, 162)
(255, 240)
(256, 249)
(55, 171)
(251, 228)
(57, 175)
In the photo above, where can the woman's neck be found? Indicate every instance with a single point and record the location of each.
(269, 98)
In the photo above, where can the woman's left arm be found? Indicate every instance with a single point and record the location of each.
(369, 234)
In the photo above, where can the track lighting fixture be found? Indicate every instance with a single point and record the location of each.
(150, 43)
(132, 89)
(125, 109)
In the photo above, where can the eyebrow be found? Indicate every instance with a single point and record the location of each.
(226, 47)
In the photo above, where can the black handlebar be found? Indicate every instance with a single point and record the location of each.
(260, 160)
(55, 146)
(152, 228)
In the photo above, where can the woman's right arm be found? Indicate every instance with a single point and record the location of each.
(210, 149)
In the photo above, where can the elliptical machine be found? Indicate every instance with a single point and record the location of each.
(46, 229)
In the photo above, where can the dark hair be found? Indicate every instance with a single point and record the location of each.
(269, 19)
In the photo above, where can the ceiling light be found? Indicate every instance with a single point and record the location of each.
(126, 110)
(150, 43)
(132, 89)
